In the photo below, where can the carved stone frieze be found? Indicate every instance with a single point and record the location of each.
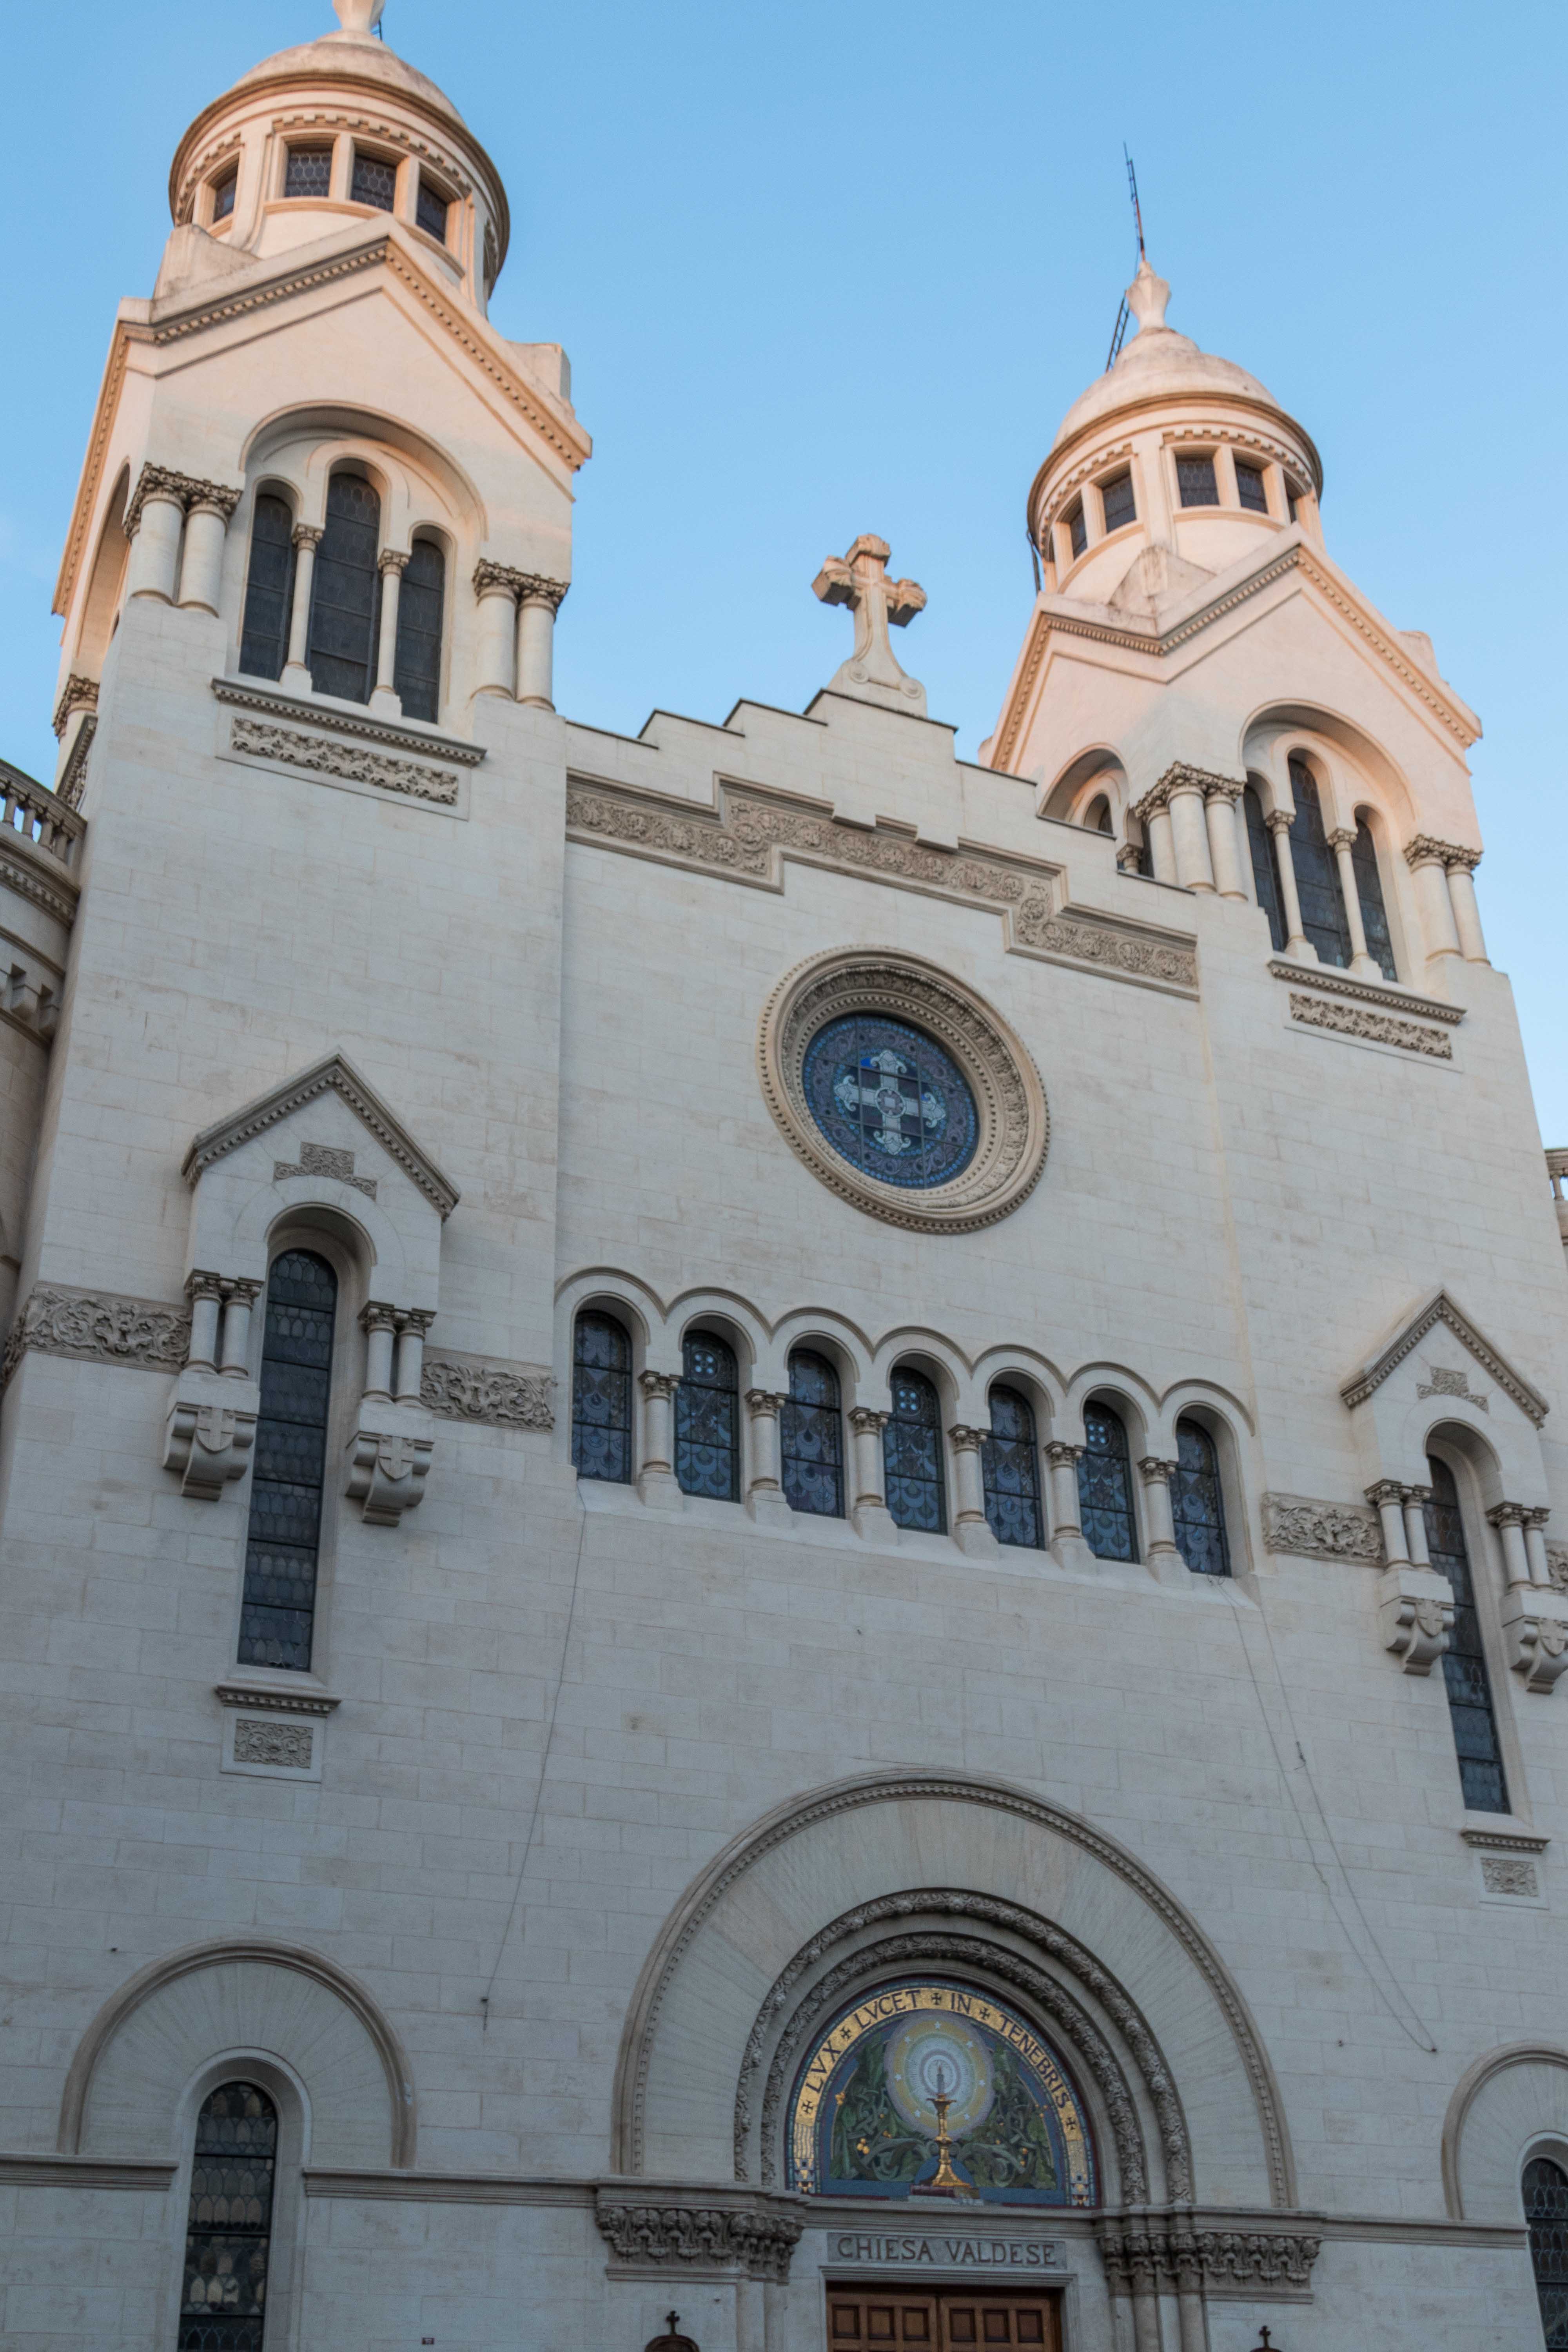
(752, 834)
(99, 1328)
(263, 1740)
(487, 1389)
(1442, 1382)
(1508, 1874)
(1220, 2253)
(319, 756)
(703, 2231)
(324, 1159)
(1318, 1530)
(1557, 1565)
(1377, 1028)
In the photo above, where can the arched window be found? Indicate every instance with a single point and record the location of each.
(1546, 2187)
(229, 2230)
(344, 594)
(283, 1540)
(1369, 890)
(601, 1398)
(1470, 1707)
(811, 1438)
(911, 1454)
(1197, 1505)
(707, 1419)
(1105, 1485)
(1317, 871)
(269, 590)
(1265, 880)
(417, 671)
(1010, 1460)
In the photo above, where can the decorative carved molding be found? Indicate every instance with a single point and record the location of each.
(529, 587)
(798, 1814)
(1455, 1384)
(1375, 1028)
(399, 736)
(1014, 1124)
(73, 775)
(702, 2230)
(1557, 1565)
(324, 1159)
(336, 1075)
(487, 1389)
(209, 1431)
(95, 1327)
(58, 896)
(1147, 2253)
(388, 1462)
(1438, 1307)
(298, 1695)
(1503, 1834)
(1535, 1628)
(1510, 1873)
(353, 760)
(261, 1741)
(1327, 981)
(1318, 1530)
(184, 491)
(1416, 1606)
(78, 693)
(752, 834)
(1424, 850)
(949, 1948)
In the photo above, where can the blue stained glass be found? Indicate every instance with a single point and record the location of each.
(891, 1100)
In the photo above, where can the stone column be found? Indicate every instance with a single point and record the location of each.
(970, 1528)
(411, 1325)
(1342, 841)
(1535, 1546)
(764, 1490)
(1425, 860)
(1509, 1520)
(152, 524)
(204, 1292)
(201, 573)
(296, 671)
(1189, 833)
(1461, 870)
(378, 1322)
(1221, 802)
(1164, 1560)
(495, 664)
(656, 1481)
(1415, 1500)
(1154, 813)
(1416, 1606)
(1062, 1467)
(1387, 1499)
(240, 1296)
(385, 699)
(540, 601)
(1297, 944)
(870, 1511)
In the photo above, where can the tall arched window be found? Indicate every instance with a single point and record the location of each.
(911, 1454)
(1317, 871)
(269, 590)
(1265, 880)
(1105, 1485)
(707, 1419)
(1546, 2187)
(1369, 890)
(811, 1438)
(1197, 1504)
(344, 594)
(601, 1398)
(1010, 1460)
(1470, 1707)
(417, 671)
(283, 1540)
(229, 2230)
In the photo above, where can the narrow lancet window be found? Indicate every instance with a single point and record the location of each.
(911, 1454)
(811, 1438)
(1545, 2186)
(707, 1419)
(269, 590)
(1250, 488)
(344, 599)
(1369, 890)
(1470, 1708)
(283, 1540)
(1105, 1485)
(1195, 481)
(417, 674)
(1010, 1462)
(1115, 498)
(1197, 1504)
(228, 2234)
(1265, 880)
(601, 1399)
(1317, 871)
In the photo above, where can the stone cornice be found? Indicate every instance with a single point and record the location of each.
(752, 833)
(1440, 1308)
(293, 1694)
(1058, 617)
(1333, 981)
(334, 1075)
(24, 868)
(335, 720)
(61, 2171)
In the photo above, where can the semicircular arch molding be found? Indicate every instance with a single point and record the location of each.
(821, 1856)
(1502, 2107)
(132, 2066)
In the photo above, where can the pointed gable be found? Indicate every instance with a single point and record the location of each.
(335, 1075)
(1436, 1308)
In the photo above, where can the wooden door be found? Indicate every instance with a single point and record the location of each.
(888, 2322)
(950, 2320)
(999, 2322)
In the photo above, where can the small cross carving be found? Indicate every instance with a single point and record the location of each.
(859, 580)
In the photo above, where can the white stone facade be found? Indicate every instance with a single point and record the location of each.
(520, 1901)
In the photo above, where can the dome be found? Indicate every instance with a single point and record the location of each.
(1157, 365)
(355, 56)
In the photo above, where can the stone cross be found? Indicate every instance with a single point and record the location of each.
(860, 580)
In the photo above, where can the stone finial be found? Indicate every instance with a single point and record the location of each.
(358, 16)
(1147, 297)
(859, 580)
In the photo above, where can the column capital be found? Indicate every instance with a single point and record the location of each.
(415, 1319)
(1279, 820)
(307, 534)
(966, 1440)
(1424, 850)
(1419, 1495)
(199, 1283)
(865, 1421)
(1222, 788)
(1538, 1516)
(769, 1401)
(1060, 1454)
(391, 559)
(1156, 1473)
(377, 1315)
(1181, 776)
(78, 693)
(529, 587)
(1384, 1490)
(180, 490)
(1342, 838)
(659, 1384)
(1157, 797)
(1465, 860)
(1507, 1515)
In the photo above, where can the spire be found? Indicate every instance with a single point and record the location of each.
(1147, 297)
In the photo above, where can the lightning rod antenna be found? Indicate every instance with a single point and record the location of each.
(1119, 334)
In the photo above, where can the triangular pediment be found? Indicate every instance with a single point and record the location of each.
(335, 1075)
(1438, 1309)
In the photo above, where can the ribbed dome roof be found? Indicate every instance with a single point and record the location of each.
(355, 52)
(1157, 363)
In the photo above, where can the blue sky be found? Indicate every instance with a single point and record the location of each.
(824, 271)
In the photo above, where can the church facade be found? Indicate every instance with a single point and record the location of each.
(784, 1557)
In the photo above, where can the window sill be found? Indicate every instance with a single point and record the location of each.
(1503, 1833)
(263, 1693)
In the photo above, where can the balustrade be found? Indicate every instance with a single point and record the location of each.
(36, 814)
